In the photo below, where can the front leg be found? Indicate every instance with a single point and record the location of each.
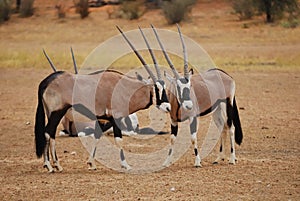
(193, 130)
(97, 134)
(118, 141)
(174, 131)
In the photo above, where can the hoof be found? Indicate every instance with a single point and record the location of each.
(198, 166)
(92, 166)
(215, 163)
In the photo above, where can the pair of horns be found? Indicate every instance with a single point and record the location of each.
(186, 73)
(54, 68)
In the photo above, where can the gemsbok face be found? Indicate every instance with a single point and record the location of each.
(162, 101)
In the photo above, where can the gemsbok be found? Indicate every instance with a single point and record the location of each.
(103, 95)
(129, 125)
(191, 96)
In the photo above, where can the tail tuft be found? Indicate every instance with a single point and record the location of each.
(40, 138)
(237, 124)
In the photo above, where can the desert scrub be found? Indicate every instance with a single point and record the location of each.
(131, 10)
(5, 9)
(82, 7)
(176, 10)
(26, 8)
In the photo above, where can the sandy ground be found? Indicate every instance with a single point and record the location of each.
(267, 169)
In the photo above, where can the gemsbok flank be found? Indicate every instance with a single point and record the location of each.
(129, 125)
(191, 96)
(96, 99)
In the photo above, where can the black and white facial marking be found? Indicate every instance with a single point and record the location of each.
(162, 101)
(183, 93)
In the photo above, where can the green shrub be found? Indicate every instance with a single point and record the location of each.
(5, 10)
(175, 10)
(26, 9)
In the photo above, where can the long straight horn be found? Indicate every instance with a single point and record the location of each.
(74, 61)
(152, 55)
(186, 65)
(50, 62)
(138, 55)
(165, 54)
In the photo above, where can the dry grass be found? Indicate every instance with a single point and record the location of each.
(221, 34)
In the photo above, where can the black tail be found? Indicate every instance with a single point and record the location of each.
(40, 138)
(237, 124)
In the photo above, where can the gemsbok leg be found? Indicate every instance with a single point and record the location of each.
(174, 131)
(118, 141)
(193, 130)
(97, 133)
(50, 129)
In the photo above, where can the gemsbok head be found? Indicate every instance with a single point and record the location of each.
(197, 95)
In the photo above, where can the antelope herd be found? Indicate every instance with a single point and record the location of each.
(107, 98)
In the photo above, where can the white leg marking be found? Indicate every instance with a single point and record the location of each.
(46, 154)
(124, 163)
(232, 154)
(170, 154)
(54, 157)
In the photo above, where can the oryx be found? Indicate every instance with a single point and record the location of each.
(129, 125)
(103, 95)
(191, 96)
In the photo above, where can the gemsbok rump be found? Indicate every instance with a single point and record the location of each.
(191, 96)
(103, 95)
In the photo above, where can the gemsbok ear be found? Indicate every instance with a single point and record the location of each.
(169, 77)
(140, 78)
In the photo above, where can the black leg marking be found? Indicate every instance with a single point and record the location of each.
(54, 120)
(193, 126)
(117, 130)
(196, 152)
(174, 130)
(170, 152)
(128, 124)
(231, 150)
(221, 148)
(70, 127)
(94, 152)
(122, 156)
(98, 130)
(229, 111)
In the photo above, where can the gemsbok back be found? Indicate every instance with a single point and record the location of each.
(103, 95)
(191, 96)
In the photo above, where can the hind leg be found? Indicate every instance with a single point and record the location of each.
(46, 155)
(219, 119)
(232, 149)
(51, 128)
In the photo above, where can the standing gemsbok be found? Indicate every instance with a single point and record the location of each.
(197, 95)
(104, 95)
(129, 124)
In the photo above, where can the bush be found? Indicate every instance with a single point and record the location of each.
(245, 9)
(5, 10)
(132, 9)
(175, 10)
(82, 7)
(26, 9)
